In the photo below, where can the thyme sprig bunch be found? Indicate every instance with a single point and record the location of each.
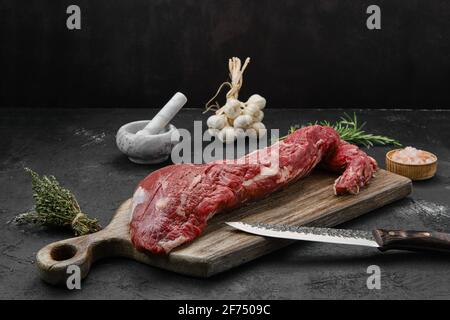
(56, 206)
(351, 130)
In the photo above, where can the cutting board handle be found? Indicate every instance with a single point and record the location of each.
(54, 260)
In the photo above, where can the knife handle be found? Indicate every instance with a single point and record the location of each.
(412, 240)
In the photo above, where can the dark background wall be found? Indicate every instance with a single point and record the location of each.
(304, 53)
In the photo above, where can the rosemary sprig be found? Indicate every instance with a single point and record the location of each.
(352, 131)
(56, 206)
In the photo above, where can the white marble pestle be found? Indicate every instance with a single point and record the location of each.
(163, 117)
(151, 141)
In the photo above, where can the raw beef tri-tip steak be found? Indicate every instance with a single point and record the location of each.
(172, 205)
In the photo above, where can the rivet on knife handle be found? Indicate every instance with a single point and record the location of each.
(412, 240)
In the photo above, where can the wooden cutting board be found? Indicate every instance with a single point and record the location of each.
(309, 201)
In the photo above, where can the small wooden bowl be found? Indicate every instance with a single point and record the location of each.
(412, 171)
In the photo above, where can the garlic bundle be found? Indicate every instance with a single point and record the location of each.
(236, 118)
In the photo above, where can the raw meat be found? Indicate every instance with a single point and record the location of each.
(171, 205)
(357, 166)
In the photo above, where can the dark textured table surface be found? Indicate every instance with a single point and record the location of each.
(78, 147)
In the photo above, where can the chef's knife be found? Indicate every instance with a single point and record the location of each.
(379, 238)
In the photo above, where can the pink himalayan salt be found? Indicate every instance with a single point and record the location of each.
(411, 155)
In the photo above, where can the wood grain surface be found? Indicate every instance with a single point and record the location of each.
(309, 201)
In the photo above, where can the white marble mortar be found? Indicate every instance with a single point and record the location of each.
(144, 148)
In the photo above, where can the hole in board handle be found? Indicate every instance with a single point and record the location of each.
(63, 252)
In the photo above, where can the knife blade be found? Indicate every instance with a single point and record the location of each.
(378, 238)
(329, 235)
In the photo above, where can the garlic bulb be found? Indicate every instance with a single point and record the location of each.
(251, 109)
(258, 126)
(216, 122)
(213, 132)
(251, 133)
(258, 116)
(257, 129)
(257, 100)
(240, 133)
(243, 121)
(227, 135)
(232, 108)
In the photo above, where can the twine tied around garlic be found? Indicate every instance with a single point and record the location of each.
(237, 79)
